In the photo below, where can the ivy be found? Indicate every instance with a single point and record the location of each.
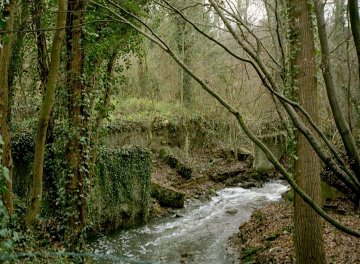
(121, 188)
(7, 237)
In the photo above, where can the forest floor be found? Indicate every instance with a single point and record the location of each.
(267, 237)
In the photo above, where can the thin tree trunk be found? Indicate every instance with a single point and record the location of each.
(5, 54)
(142, 75)
(342, 126)
(45, 113)
(43, 59)
(184, 43)
(308, 233)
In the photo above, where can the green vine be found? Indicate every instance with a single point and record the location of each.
(121, 188)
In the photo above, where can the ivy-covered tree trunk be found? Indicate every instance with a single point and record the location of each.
(308, 235)
(5, 54)
(104, 105)
(77, 146)
(45, 113)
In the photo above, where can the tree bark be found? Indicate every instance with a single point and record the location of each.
(308, 233)
(78, 141)
(5, 54)
(45, 113)
(43, 59)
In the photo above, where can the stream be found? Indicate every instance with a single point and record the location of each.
(199, 233)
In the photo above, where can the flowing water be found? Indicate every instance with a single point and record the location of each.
(200, 235)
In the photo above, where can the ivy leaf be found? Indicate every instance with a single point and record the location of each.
(8, 244)
(3, 232)
(2, 23)
(16, 236)
(5, 173)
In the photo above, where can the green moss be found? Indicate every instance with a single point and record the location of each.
(272, 236)
(259, 216)
(289, 196)
(328, 192)
(249, 253)
(121, 190)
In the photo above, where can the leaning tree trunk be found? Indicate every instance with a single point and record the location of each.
(308, 235)
(45, 112)
(340, 121)
(5, 53)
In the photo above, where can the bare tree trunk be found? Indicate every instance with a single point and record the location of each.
(308, 234)
(353, 7)
(45, 113)
(142, 75)
(5, 54)
(184, 45)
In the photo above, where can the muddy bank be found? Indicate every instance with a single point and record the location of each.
(267, 237)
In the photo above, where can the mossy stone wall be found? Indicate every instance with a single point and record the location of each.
(277, 145)
(120, 192)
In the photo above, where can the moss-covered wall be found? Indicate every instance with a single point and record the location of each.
(121, 190)
(162, 132)
(277, 145)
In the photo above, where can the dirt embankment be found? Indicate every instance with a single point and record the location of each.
(211, 171)
(267, 237)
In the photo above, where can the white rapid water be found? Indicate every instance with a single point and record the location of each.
(199, 236)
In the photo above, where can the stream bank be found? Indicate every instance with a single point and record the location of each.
(267, 236)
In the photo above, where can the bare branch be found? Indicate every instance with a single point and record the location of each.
(246, 129)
